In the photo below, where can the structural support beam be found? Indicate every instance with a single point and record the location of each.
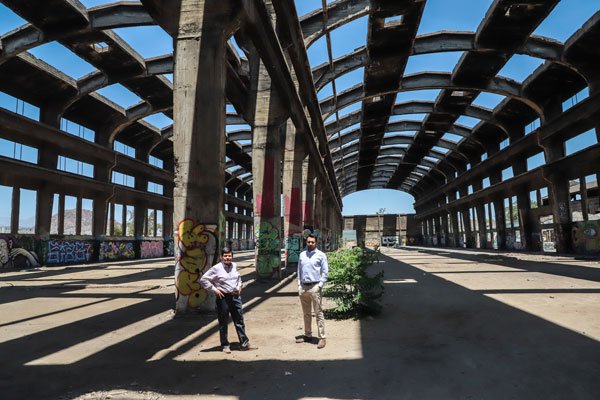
(199, 144)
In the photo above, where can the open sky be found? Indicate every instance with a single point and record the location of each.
(461, 15)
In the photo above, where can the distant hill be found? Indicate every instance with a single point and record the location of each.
(70, 220)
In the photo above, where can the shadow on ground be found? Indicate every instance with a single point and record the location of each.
(434, 340)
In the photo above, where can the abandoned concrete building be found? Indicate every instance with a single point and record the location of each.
(84, 179)
(125, 168)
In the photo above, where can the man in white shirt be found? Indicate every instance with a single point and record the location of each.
(225, 281)
(312, 275)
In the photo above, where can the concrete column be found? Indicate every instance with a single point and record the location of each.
(524, 207)
(308, 191)
(317, 205)
(480, 211)
(438, 228)
(43, 215)
(199, 145)
(500, 223)
(445, 230)
(167, 222)
(139, 219)
(269, 117)
(558, 191)
(293, 158)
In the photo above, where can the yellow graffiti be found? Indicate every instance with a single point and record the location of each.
(195, 245)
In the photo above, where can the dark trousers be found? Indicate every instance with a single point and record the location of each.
(231, 304)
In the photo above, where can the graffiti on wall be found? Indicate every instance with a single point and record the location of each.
(293, 246)
(151, 249)
(169, 247)
(268, 255)
(196, 245)
(13, 256)
(116, 250)
(548, 240)
(586, 237)
(68, 252)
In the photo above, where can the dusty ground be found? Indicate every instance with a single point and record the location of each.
(457, 324)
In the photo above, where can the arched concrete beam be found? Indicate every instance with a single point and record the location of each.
(413, 107)
(110, 16)
(443, 41)
(338, 14)
(429, 80)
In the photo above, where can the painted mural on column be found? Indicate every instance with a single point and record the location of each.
(268, 255)
(196, 245)
(13, 256)
(586, 237)
(293, 246)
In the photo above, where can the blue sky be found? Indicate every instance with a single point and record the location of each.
(463, 15)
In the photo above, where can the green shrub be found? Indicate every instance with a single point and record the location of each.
(353, 291)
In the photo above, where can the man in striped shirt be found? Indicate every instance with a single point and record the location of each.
(225, 281)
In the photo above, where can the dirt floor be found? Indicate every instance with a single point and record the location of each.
(456, 324)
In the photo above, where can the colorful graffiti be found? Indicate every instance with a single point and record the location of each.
(116, 250)
(293, 246)
(69, 252)
(15, 257)
(268, 256)
(151, 249)
(195, 250)
(169, 247)
(586, 237)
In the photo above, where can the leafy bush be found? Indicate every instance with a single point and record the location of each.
(354, 292)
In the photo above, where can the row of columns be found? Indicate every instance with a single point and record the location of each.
(280, 165)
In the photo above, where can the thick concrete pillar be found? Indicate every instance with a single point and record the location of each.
(445, 230)
(269, 117)
(500, 223)
(524, 207)
(293, 158)
(199, 145)
(558, 191)
(139, 220)
(308, 191)
(438, 229)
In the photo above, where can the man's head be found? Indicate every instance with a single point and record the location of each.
(311, 242)
(226, 255)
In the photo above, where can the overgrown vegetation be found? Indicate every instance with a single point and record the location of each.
(353, 291)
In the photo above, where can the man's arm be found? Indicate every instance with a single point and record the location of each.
(207, 281)
(324, 271)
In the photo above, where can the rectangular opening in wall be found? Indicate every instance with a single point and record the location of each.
(507, 173)
(593, 197)
(507, 213)
(27, 211)
(395, 20)
(118, 218)
(504, 143)
(486, 183)
(533, 199)
(55, 214)
(159, 223)
(570, 102)
(108, 219)
(575, 203)
(515, 211)
(18, 151)
(87, 216)
(70, 215)
(532, 126)
(75, 129)
(580, 142)
(19, 106)
(535, 161)
(75, 166)
(150, 219)
(6, 209)
(123, 149)
(157, 162)
(130, 223)
(544, 196)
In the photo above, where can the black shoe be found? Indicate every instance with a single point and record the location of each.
(248, 347)
(303, 339)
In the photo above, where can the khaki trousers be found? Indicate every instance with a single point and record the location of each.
(310, 296)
